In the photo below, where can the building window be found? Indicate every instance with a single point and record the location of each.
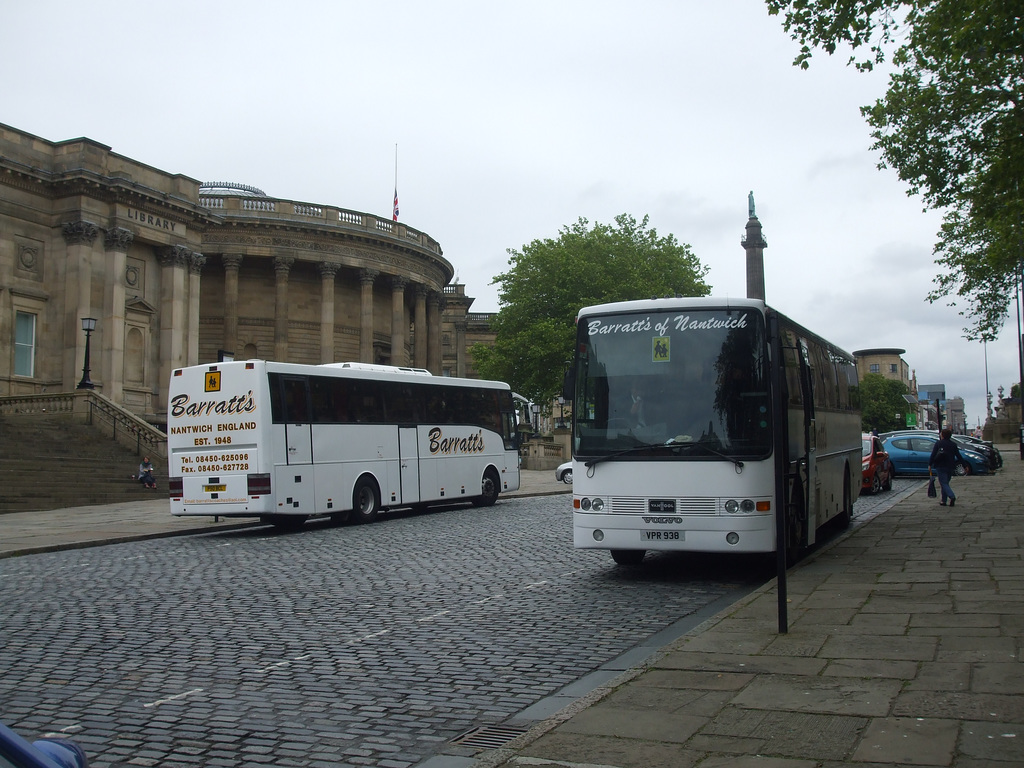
(873, 368)
(892, 367)
(24, 344)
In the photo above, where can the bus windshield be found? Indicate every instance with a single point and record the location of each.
(677, 385)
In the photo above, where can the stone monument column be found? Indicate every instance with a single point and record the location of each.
(399, 326)
(754, 244)
(327, 272)
(232, 264)
(366, 278)
(282, 265)
(174, 260)
(116, 241)
(420, 319)
(434, 333)
(195, 267)
(79, 237)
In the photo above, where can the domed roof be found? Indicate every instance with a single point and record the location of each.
(229, 189)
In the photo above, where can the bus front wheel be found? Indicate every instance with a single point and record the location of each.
(628, 556)
(489, 486)
(365, 501)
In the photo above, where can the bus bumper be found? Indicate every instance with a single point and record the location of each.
(748, 533)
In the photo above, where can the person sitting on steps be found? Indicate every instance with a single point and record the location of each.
(146, 473)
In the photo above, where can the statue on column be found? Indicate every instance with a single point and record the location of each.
(750, 204)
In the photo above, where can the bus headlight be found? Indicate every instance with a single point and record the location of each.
(747, 505)
(732, 537)
(585, 504)
(598, 534)
(732, 506)
(598, 505)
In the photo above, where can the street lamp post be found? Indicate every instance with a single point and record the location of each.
(88, 325)
(536, 412)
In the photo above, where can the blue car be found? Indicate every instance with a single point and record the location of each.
(42, 753)
(909, 455)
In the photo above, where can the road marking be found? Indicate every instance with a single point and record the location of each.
(369, 637)
(172, 698)
(436, 615)
(488, 599)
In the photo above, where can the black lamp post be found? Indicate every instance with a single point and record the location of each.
(88, 325)
(536, 411)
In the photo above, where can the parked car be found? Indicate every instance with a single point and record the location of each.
(991, 453)
(563, 473)
(42, 753)
(876, 469)
(909, 454)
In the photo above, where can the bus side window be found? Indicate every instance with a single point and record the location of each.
(296, 400)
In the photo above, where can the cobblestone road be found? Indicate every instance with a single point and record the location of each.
(333, 646)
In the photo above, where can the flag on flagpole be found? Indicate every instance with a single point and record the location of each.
(394, 215)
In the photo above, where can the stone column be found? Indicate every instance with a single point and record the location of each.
(434, 333)
(79, 237)
(399, 325)
(420, 351)
(366, 278)
(232, 263)
(116, 241)
(754, 244)
(460, 347)
(327, 272)
(282, 265)
(174, 261)
(195, 266)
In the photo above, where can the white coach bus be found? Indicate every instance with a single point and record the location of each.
(679, 442)
(284, 442)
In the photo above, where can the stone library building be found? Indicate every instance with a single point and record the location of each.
(154, 271)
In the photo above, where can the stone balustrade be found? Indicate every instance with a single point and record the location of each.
(271, 210)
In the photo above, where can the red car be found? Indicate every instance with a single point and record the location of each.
(876, 469)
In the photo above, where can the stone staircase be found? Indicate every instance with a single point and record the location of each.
(48, 463)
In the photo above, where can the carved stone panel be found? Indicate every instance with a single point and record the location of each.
(29, 260)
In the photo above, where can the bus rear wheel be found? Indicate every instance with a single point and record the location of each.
(628, 556)
(489, 486)
(365, 501)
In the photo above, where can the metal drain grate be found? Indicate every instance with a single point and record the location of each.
(488, 736)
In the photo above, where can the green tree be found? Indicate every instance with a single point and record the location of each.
(951, 125)
(880, 400)
(548, 281)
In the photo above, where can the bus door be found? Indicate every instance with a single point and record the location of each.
(294, 482)
(409, 461)
(811, 500)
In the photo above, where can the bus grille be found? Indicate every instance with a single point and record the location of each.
(637, 505)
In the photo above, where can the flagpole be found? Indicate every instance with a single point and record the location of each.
(394, 210)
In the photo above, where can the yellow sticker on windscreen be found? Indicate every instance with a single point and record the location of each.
(661, 349)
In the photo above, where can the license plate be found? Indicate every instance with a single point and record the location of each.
(662, 536)
(215, 488)
(661, 505)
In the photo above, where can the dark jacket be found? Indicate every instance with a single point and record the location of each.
(945, 455)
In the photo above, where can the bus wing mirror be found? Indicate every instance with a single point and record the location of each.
(568, 382)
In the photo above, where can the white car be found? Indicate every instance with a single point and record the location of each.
(563, 473)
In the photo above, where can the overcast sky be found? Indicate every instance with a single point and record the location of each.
(513, 120)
